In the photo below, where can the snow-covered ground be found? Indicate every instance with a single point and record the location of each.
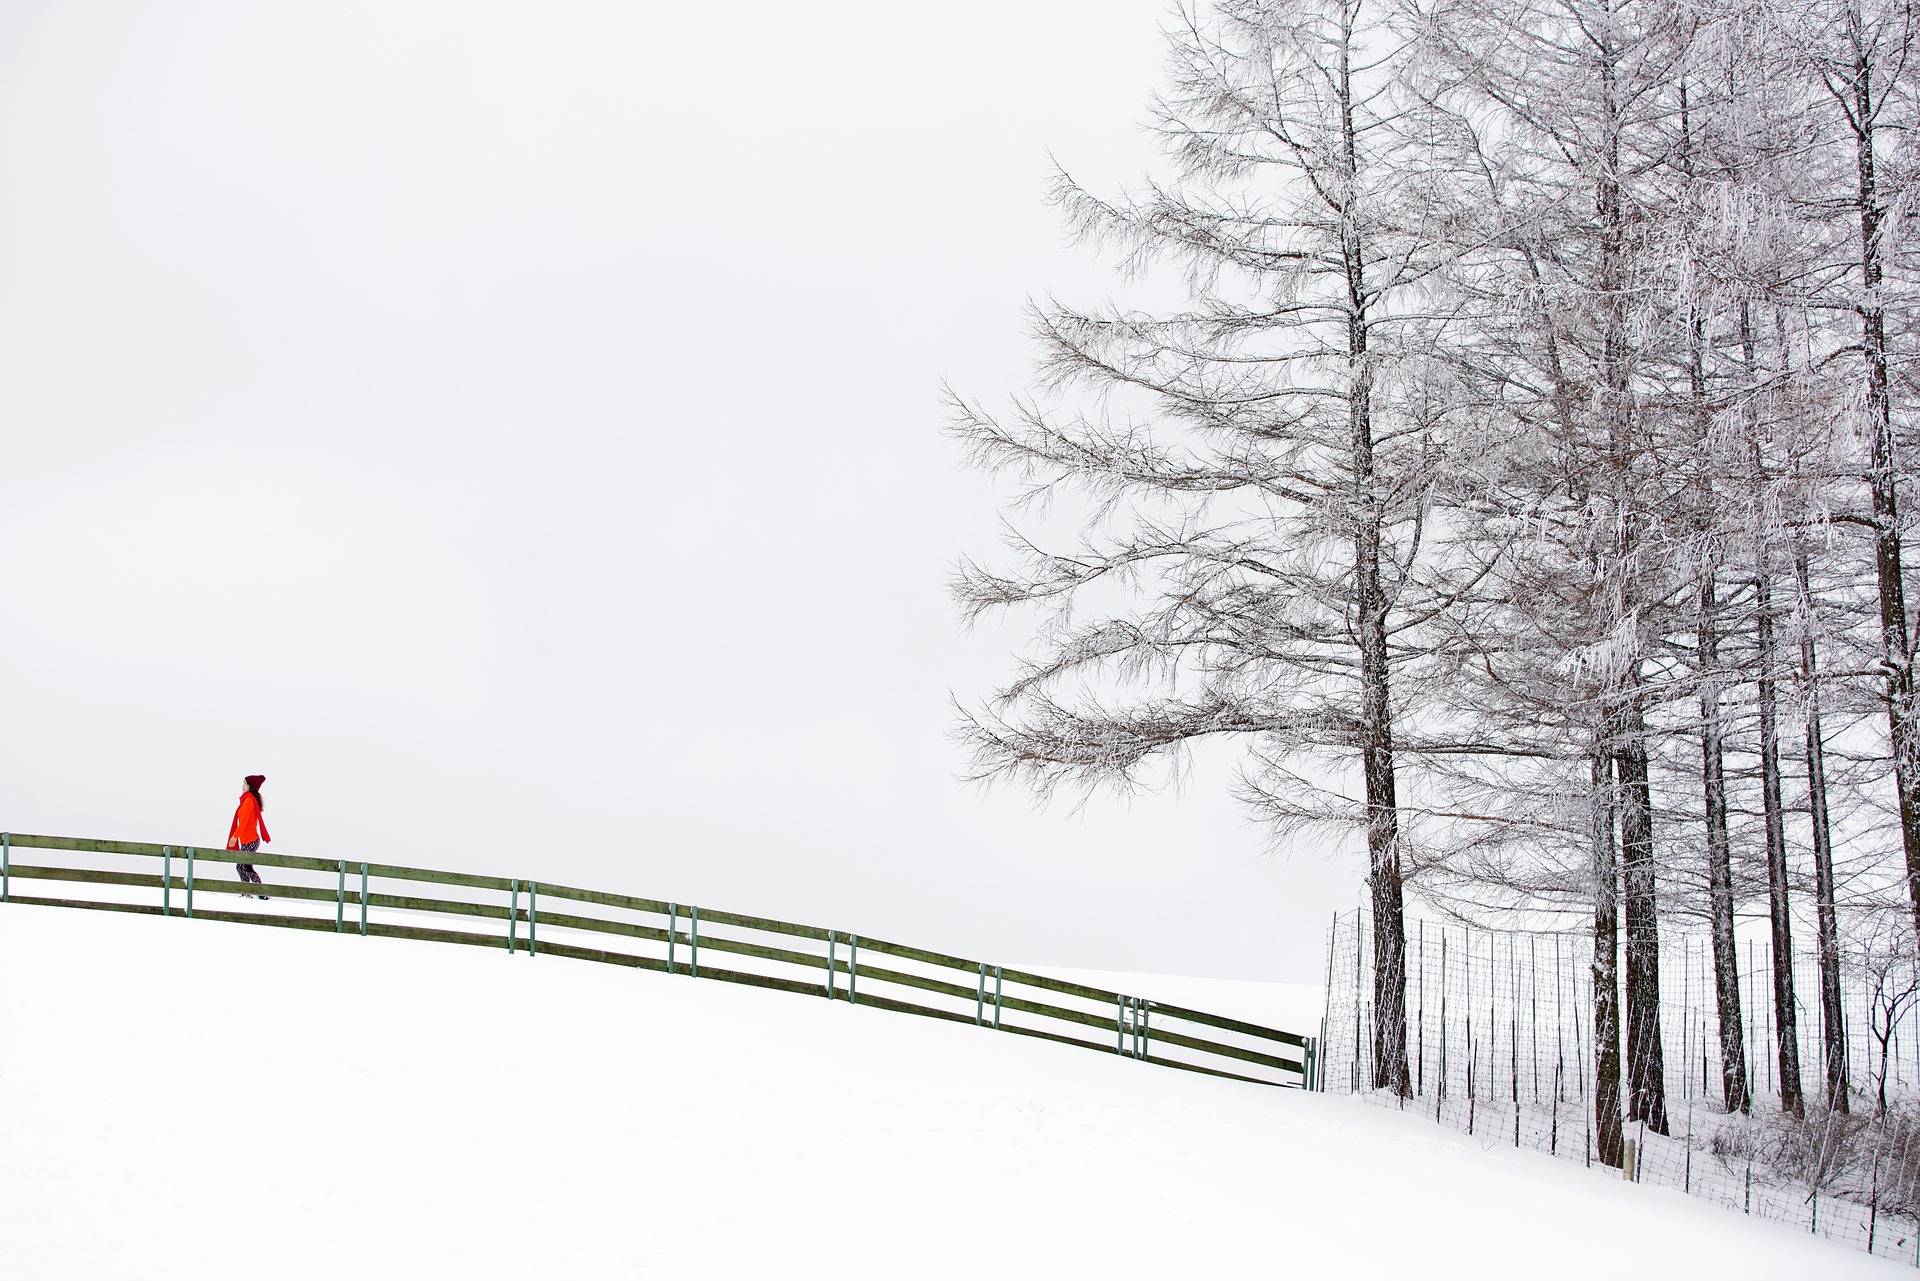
(193, 1099)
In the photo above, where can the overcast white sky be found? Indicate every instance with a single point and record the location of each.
(514, 429)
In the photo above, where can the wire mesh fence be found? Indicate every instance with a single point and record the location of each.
(1500, 1045)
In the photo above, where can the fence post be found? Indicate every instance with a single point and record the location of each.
(829, 965)
(980, 997)
(340, 901)
(996, 998)
(1686, 1183)
(513, 917)
(1446, 1063)
(1146, 1030)
(853, 969)
(1120, 1025)
(1356, 1078)
(694, 964)
(533, 918)
(1420, 1070)
(166, 880)
(673, 932)
(363, 900)
(6, 866)
(1326, 1002)
(189, 882)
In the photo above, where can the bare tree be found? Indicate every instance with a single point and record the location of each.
(1258, 473)
(1893, 987)
(1861, 51)
(1569, 118)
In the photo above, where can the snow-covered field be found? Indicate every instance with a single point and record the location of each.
(199, 1100)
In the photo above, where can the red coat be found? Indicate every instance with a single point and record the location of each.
(249, 824)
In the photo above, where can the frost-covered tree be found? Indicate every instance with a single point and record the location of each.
(1255, 468)
(1567, 116)
(1523, 483)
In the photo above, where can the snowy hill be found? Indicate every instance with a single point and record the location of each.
(198, 1100)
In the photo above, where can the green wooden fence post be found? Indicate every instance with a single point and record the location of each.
(1146, 1029)
(166, 880)
(363, 900)
(980, 997)
(829, 965)
(533, 917)
(513, 918)
(6, 866)
(853, 969)
(673, 932)
(340, 901)
(1120, 1025)
(996, 998)
(694, 964)
(189, 881)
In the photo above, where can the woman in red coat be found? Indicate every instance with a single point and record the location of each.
(249, 828)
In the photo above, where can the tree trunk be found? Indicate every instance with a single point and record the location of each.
(1390, 1068)
(1726, 953)
(1606, 981)
(1896, 645)
(1646, 1098)
(1786, 1021)
(1713, 761)
(1833, 1021)
(1780, 922)
(1646, 1058)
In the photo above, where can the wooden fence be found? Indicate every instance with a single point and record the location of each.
(540, 919)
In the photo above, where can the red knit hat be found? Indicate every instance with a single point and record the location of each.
(254, 781)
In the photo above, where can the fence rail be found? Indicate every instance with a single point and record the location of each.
(520, 918)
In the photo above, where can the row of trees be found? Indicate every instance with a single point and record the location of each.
(1518, 486)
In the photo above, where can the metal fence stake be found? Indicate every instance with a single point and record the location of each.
(340, 901)
(673, 932)
(693, 964)
(996, 998)
(166, 880)
(853, 969)
(363, 900)
(513, 918)
(533, 918)
(1420, 1019)
(830, 965)
(1326, 1001)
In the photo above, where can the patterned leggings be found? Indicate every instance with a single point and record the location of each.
(246, 871)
